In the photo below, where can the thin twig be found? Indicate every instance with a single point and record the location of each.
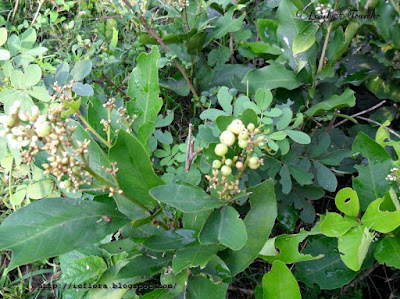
(109, 81)
(37, 12)
(360, 113)
(15, 11)
(242, 290)
(231, 47)
(379, 124)
(190, 152)
(360, 278)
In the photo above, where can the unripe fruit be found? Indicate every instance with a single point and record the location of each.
(65, 184)
(76, 170)
(243, 143)
(244, 135)
(43, 129)
(251, 127)
(226, 170)
(228, 162)
(221, 149)
(236, 126)
(227, 137)
(217, 164)
(254, 163)
(239, 165)
(9, 121)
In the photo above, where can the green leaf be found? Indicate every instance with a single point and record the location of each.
(81, 70)
(28, 38)
(387, 251)
(280, 283)
(144, 91)
(40, 93)
(381, 221)
(288, 246)
(200, 287)
(259, 222)
(285, 119)
(328, 272)
(285, 180)
(135, 175)
(33, 234)
(325, 177)
(280, 135)
(298, 136)
(371, 182)
(346, 99)
(346, 201)
(225, 99)
(354, 246)
(193, 256)
(224, 226)
(3, 36)
(4, 54)
(263, 98)
(170, 240)
(305, 39)
(40, 189)
(226, 24)
(270, 77)
(300, 174)
(145, 264)
(186, 198)
(85, 269)
(334, 225)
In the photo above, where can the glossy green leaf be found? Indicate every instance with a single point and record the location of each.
(186, 198)
(379, 220)
(33, 234)
(259, 222)
(270, 77)
(224, 226)
(135, 175)
(354, 246)
(226, 24)
(387, 251)
(170, 240)
(371, 182)
(346, 99)
(144, 91)
(280, 283)
(298, 136)
(346, 201)
(85, 269)
(334, 225)
(305, 39)
(193, 256)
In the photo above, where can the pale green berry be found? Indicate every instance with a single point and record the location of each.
(65, 184)
(227, 137)
(228, 162)
(251, 127)
(261, 143)
(226, 170)
(254, 163)
(221, 149)
(217, 164)
(43, 129)
(236, 126)
(239, 165)
(76, 170)
(244, 135)
(243, 143)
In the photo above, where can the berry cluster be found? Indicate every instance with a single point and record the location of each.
(247, 139)
(394, 175)
(34, 132)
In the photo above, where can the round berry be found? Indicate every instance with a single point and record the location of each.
(243, 143)
(244, 135)
(239, 165)
(251, 127)
(9, 121)
(43, 129)
(254, 163)
(226, 170)
(228, 162)
(217, 164)
(236, 126)
(65, 184)
(227, 137)
(221, 149)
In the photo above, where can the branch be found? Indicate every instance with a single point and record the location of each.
(360, 278)
(379, 124)
(360, 113)
(190, 152)
(15, 11)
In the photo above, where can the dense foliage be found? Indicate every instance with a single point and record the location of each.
(239, 149)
